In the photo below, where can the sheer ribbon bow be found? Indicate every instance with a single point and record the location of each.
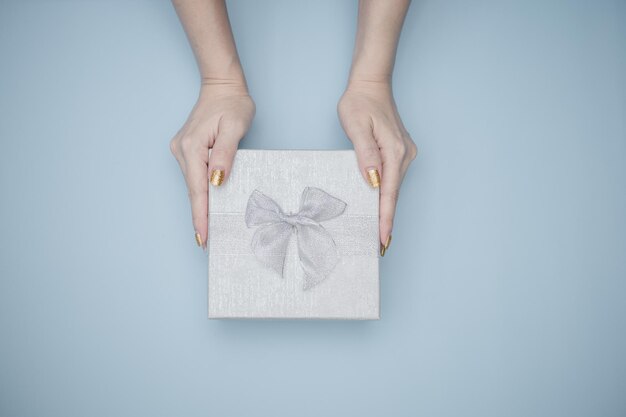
(316, 247)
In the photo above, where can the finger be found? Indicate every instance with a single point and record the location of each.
(389, 192)
(221, 157)
(368, 155)
(197, 185)
(176, 152)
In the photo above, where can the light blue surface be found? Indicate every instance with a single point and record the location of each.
(503, 292)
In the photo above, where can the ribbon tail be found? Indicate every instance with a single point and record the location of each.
(318, 254)
(269, 245)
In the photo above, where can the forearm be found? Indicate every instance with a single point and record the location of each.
(379, 27)
(210, 36)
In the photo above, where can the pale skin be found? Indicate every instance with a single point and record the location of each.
(224, 110)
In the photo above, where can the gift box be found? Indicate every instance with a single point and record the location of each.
(294, 235)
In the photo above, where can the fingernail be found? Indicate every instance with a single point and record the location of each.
(217, 177)
(373, 177)
(388, 241)
(383, 248)
(198, 239)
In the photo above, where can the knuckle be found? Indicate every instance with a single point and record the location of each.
(342, 106)
(411, 150)
(348, 111)
(187, 145)
(398, 150)
(174, 146)
(402, 149)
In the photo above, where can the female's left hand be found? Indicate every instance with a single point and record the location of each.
(384, 148)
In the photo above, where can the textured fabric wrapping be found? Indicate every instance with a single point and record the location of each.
(293, 234)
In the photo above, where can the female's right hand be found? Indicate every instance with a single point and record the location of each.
(219, 120)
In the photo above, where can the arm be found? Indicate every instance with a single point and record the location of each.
(223, 112)
(367, 109)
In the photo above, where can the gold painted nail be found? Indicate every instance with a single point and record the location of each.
(373, 177)
(388, 242)
(217, 177)
(383, 248)
(198, 239)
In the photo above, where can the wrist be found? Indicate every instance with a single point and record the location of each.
(216, 85)
(373, 69)
(228, 77)
(370, 84)
(362, 73)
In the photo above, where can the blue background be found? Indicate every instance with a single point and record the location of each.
(503, 292)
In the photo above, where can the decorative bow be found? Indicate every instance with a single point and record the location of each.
(316, 247)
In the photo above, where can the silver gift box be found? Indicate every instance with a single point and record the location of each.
(330, 267)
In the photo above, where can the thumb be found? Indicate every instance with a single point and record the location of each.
(221, 158)
(368, 155)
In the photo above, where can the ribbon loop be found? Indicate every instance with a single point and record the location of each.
(316, 247)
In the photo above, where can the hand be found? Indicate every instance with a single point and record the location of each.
(221, 117)
(369, 116)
